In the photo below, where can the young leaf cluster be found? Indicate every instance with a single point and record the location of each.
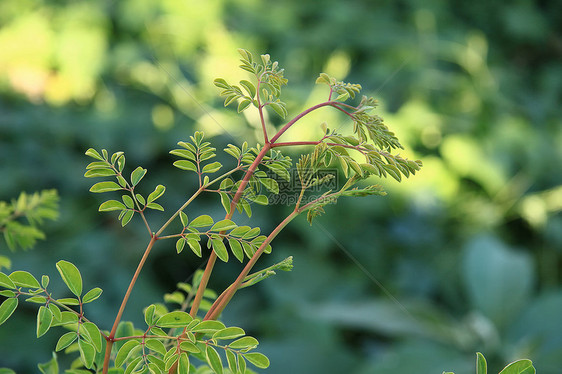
(174, 338)
(131, 201)
(274, 162)
(267, 90)
(194, 154)
(242, 240)
(83, 337)
(21, 218)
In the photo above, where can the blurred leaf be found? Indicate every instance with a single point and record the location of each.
(51, 367)
(498, 280)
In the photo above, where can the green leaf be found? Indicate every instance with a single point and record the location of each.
(236, 249)
(66, 340)
(208, 327)
(257, 359)
(259, 199)
(57, 315)
(6, 282)
(111, 205)
(105, 187)
(127, 216)
(279, 109)
(189, 347)
(224, 225)
(158, 191)
(179, 245)
(125, 351)
(202, 221)
(69, 301)
(195, 246)
(214, 359)
(94, 154)
(229, 333)
(244, 342)
(185, 165)
(7, 308)
(156, 346)
(45, 281)
(99, 172)
(519, 367)
(128, 200)
(183, 218)
(71, 276)
(37, 299)
(24, 279)
(155, 206)
(249, 87)
(174, 319)
(87, 353)
(44, 320)
(212, 167)
(134, 364)
(241, 363)
(225, 201)
(183, 364)
(231, 358)
(481, 367)
(149, 314)
(51, 367)
(243, 104)
(219, 248)
(270, 184)
(65, 319)
(137, 175)
(94, 334)
(92, 295)
(184, 153)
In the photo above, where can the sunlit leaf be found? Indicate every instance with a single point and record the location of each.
(92, 295)
(24, 279)
(212, 167)
(185, 165)
(106, 186)
(137, 175)
(229, 333)
(111, 205)
(202, 221)
(214, 360)
(125, 351)
(66, 340)
(44, 320)
(71, 276)
(257, 359)
(174, 319)
(7, 308)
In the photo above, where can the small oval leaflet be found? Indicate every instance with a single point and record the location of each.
(174, 319)
(105, 187)
(24, 279)
(71, 276)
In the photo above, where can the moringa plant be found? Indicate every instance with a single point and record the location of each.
(187, 336)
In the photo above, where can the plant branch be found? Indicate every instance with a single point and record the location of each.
(221, 302)
(111, 336)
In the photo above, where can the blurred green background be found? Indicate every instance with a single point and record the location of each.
(466, 256)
